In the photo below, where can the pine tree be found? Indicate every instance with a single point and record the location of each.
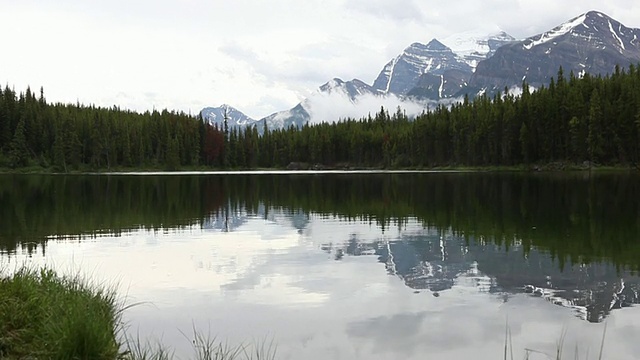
(226, 148)
(595, 139)
(524, 143)
(578, 132)
(172, 161)
(18, 149)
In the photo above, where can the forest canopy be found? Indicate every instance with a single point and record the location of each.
(573, 120)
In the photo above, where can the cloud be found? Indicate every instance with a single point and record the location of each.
(255, 55)
(405, 327)
(330, 107)
(393, 10)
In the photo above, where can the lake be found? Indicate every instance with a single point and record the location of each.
(348, 265)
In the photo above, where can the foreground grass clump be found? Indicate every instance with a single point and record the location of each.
(43, 315)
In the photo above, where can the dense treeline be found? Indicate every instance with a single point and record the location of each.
(588, 118)
(68, 136)
(594, 119)
(576, 217)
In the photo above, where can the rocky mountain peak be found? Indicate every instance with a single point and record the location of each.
(592, 42)
(235, 117)
(472, 63)
(402, 73)
(352, 88)
(593, 29)
(331, 84)
(435, 45)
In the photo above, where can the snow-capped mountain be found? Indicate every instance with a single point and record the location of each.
(436, 71)
(592, 42)
(351, 89)
(474, 47)
(296, 116)
(235, 117)
(468, 64)
(402, 73)
(429, 71)
(343, 96)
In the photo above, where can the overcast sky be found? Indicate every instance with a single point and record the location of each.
(260, 56)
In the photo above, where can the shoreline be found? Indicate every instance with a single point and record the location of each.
(325, 169)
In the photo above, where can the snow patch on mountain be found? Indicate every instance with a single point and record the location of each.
(555, 32)
(400, 75)
(473, 47)
(235, 117)
(352, 88)
(616, 35)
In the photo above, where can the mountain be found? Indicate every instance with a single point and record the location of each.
(429, 71)
(436, 71)
(335, 90)
(468, 64)
(402, 73)
(296, 116)
(592, 42)
(235, 117)
(352, 89)
(474, 47)
(439, 87)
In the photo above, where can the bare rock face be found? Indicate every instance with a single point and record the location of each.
(437, 87)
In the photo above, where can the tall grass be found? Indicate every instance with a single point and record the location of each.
(207, 347)
(43, 315)
(47, 316)
(559, 347)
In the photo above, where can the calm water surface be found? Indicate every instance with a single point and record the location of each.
(349, 266)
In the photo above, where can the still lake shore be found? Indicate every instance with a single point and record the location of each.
(315, 168)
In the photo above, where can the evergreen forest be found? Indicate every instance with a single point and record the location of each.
(594, 119)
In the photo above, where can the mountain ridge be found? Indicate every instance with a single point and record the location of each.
(591, 42)
(480, 64)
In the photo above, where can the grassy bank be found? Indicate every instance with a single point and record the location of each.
(45, 316)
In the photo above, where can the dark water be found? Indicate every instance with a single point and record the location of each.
(344, 266)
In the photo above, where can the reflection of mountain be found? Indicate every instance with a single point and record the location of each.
(592, 290)
(425, 262)
(231, 218)
(579, 229)
(439, 262)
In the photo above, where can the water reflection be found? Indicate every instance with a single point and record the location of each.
(437, 262)
(385, 253)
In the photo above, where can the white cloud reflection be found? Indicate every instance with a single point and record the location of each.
(268, 279)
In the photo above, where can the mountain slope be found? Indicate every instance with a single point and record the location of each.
(352, 89)
(471, 64)
(436, 71)
(235, 117)
(592, 42)
(474, 47)
(296, 116)
(402, 73)
(335, 90)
